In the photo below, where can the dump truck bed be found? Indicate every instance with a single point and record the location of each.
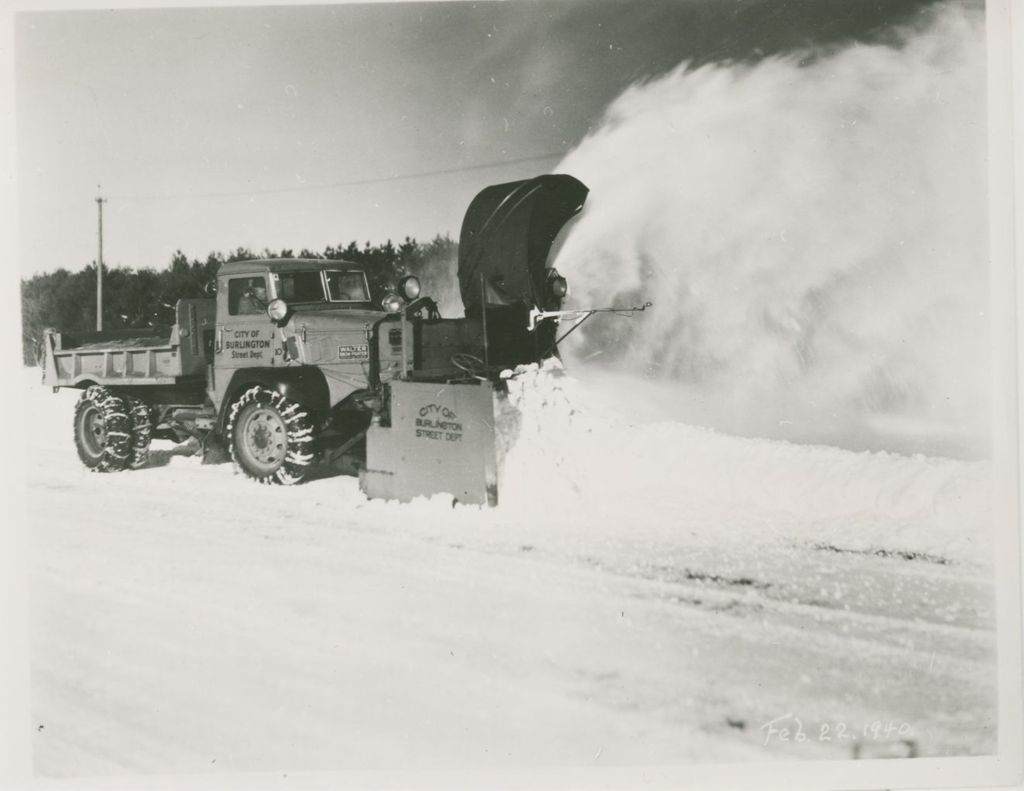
(159, 355)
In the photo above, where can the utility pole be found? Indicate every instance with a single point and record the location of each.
(99, 269)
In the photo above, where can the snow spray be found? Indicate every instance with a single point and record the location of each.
(812, 229)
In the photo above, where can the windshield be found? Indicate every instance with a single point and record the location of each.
(347, 287)
(316, 286)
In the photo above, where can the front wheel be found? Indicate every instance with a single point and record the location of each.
(103, 430)
(270, 437)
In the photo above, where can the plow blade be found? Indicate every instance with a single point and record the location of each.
(441, 440)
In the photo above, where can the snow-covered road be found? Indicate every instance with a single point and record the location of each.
(644, 594)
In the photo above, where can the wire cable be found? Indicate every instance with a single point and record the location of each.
(340, 184)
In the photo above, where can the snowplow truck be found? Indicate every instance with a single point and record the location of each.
(298, 361)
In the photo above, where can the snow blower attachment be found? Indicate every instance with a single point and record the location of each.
(437, 434)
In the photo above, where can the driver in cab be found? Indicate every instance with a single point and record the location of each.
(254, 297)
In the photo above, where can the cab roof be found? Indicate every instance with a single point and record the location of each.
(285, 265)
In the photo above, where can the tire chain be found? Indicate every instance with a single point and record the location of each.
(117, 424)
(142, 431)
(299, 455)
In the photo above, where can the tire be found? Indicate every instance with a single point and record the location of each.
(103, 430)
(270, 437)
(142, 432)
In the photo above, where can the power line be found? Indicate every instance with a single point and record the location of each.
(351, 183)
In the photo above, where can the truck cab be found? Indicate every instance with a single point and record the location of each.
(283, 315)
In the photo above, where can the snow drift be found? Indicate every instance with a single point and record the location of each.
(568, 461)
(812, 230)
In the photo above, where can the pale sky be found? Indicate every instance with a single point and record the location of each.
(213, 128)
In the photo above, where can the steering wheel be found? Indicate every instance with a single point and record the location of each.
(469, 364)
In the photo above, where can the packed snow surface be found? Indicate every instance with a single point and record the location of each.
(646, 592)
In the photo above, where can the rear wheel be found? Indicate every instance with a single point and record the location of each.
(270, 437)
(103, 430)
(142, 432)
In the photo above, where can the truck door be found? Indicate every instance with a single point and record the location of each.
(245, 333)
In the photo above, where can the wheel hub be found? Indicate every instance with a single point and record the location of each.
(266, 437)
(94, 431)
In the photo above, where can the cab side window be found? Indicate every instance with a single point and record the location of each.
(247, 296)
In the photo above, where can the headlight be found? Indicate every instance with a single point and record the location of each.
(410, 286)
(277, 309)
(392, 303)
(557, 285)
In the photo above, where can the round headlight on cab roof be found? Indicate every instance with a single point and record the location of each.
(277, 309)
(410, 286)
(392, 303)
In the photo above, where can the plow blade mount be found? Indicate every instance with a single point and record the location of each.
(441, 440)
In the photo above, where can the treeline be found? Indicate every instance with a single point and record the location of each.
(134, 298)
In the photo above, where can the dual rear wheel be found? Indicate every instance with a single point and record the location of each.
(112, 432)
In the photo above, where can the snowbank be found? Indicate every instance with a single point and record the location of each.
(565, 460)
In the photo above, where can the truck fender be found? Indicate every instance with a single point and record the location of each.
(305, 385)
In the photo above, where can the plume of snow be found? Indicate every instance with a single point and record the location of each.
(812, 230)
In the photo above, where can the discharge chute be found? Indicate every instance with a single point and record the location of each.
(506, 236)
